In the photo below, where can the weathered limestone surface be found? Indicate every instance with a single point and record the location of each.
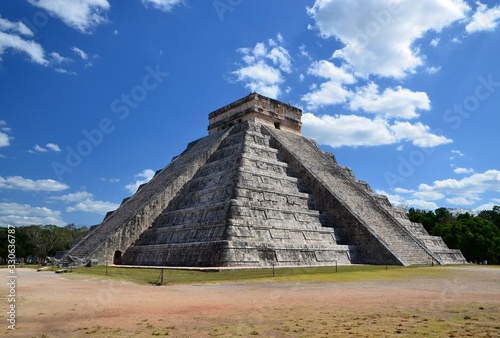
(241, 209)
(257, 108)
(366, 220)
(256, 193)
(122, 227)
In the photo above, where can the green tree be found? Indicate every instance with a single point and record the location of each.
(427, 218)
(492, 215)
(42, 240)
(476, 237)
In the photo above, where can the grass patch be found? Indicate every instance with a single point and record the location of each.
(347, 273)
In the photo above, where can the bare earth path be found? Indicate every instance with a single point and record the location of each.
(457, 303)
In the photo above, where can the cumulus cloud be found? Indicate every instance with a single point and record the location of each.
(48, 147)
(421, 204)
(331, 92)
(464, 192)
(460, 200)
(14, 27)
(93, 206)
(353, 130)
(85, 202)
(4, 137)
(24, 214)
(13, 35)
(73, 197)
(463, 170)
(26, 184)
(56, 58)
(391, 103)
(475, 184)
(80, 53)
(140, 178)
(328, 93)
(264, 66)
(379, 36)
(419, 134)
(82, 15)
(484, 19)
(164, 5)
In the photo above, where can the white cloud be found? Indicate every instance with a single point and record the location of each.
(140, 178)
(463, 170)
(57, 58)
(14, 27)
(48, 147)
(4, 140)
(477, 183)
(328, 93)
(85, 202)
(484, 19)
(53, 147)
(93, 206)
(24, 214)
(397, 103)
(12, 36)
(73, 197)
(164, 5)
(264, 66)
(80, 53)
(419, 134)
(65, 71)
(331, 92)
(346, 130)
(328, 70)
(462, 200)
(394, 199)
(39, 149)
(434, 42)
(456, 153)
(26, 184)
(487, 206)
(82, 15)
(421, 204)
(380, 35)
(432, 69)
(352, 130)
(403, 190)
(110, 180)
(428, 195)
(464, 192)
(304, 52)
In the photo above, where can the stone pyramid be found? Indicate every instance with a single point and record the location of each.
(254, 192)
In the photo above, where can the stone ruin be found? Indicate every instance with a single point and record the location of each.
(254, 192)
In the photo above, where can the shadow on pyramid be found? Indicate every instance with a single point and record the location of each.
(254, 192)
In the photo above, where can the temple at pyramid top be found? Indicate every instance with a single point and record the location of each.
(257, 108)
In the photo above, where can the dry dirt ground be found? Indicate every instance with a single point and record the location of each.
(464, 301)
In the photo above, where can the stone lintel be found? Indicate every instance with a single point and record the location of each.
(258, 108)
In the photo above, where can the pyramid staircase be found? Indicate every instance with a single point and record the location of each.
(362, 210)
(241, 209)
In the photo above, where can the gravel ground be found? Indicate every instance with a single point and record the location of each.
(463, 301)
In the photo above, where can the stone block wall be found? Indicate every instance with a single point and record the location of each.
(119, 230)
(241, 209)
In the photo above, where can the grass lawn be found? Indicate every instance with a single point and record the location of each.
(144, 275)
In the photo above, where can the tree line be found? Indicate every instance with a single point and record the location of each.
(477, 236)
(36, 242)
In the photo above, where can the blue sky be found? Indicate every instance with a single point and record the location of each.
(98, 94)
